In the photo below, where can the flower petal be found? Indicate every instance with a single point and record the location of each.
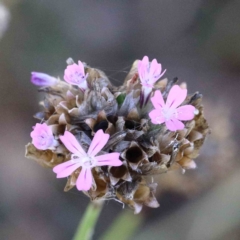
(174, 124)
(162, 73)
(155, 70)
(81, 67)
(176, 96)
(72, 144)
(70, 72)
(156, 116)
(75, 75)
(84, 181)
(99, 141)
(111, 159)
(60, 167)
(185, 112)
(68, 170)
(157, 100)
(39, 129)
(143, 68)
(42, 136)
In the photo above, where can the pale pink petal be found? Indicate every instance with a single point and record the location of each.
(155, 70)
(60, 167)
(39, 129)
(162, 73)
(71, 143)
(81, 67)
(145, 61)
(74, 74)
(176, 96)
(185, 112)
(68, 171)
(99, 141)
(84, 181)
(42, 136)
(143, 68)
(174, 124)
(110, 159)
(157, 100)
(69, 73)
(156, 116)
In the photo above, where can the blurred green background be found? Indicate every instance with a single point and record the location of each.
(197, 41)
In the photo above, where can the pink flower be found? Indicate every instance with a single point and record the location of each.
(75, 75)
(170, 113)
(149, 73)
(42, 137)
(43, 79)
(86, 161)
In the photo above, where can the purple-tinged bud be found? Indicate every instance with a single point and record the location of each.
(43, 79)
(42, 137)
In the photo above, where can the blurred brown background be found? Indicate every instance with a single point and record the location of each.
(197, 41)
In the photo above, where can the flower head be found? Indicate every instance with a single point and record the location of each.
(119, 166)
(42, 137)
(75, 75)
(170, 113)
(86, 161)
(149, 73)
(43, 79)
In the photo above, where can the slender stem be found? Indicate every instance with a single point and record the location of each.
(123, 227)
(86, 227)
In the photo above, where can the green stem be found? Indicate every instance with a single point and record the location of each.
(86, 227)
(123, 227)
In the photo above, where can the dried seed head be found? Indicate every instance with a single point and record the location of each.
(109, 140)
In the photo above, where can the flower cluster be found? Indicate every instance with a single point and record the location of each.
(107, 140)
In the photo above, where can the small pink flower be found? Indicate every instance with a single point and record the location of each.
(149, 73)
(75, 75)
(170, 113)
(42, 137)
(86, 161)
(43, 79)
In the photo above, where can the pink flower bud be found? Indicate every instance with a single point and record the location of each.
(43, 79)
(42, 137)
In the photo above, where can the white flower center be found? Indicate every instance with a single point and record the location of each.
(169, 113)
(87, 161)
